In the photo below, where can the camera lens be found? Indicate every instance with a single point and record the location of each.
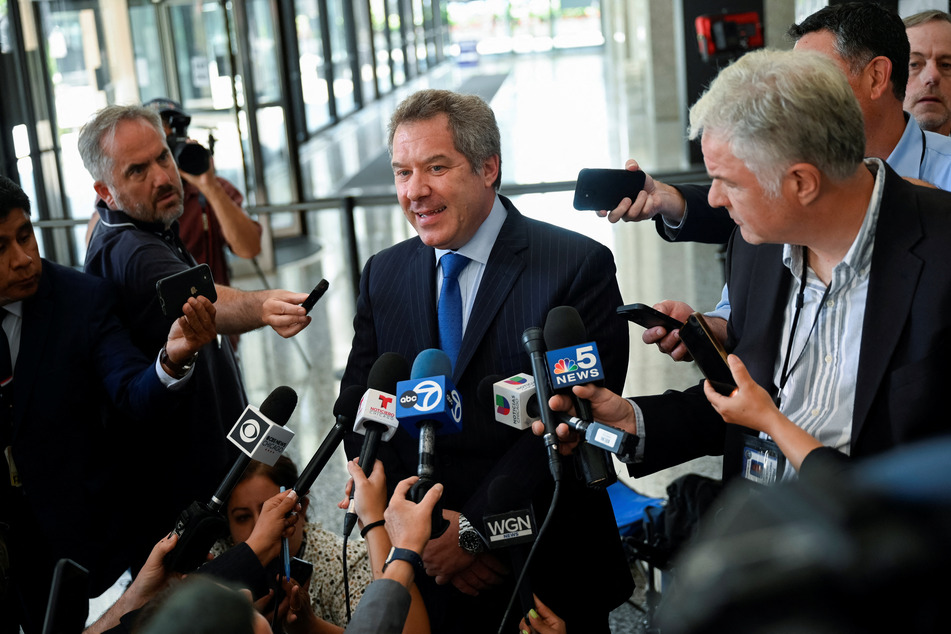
(192, 158)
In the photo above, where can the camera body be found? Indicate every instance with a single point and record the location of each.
(192, 158)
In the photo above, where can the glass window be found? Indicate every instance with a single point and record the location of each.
(146, 47)
(364, 35)
(343, 76)
(264, 55)
(396, 42)
(381, 44)
(313, 70)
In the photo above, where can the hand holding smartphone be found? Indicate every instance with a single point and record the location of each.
(708, 353)
(605, 188)
(174, 290)
(315, 295)
(648, 317)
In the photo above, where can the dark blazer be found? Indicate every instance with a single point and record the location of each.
(75, 360)
(906, 337)
(710, 225)
(533, 267)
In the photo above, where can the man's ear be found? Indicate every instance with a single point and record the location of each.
(105, 194)
(879, 75)
(803, 181)
(490, 170)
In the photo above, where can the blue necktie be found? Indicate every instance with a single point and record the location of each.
(450, 305)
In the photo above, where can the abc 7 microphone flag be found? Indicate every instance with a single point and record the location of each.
(258, 437)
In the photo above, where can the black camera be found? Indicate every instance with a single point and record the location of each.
(192, 158)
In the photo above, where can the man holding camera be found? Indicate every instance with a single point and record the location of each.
(213, 218)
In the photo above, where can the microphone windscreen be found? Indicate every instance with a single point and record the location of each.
(486, 390)
(564, 328)
(387, 371)
(280, 404)
(348, 401)
(504, 495)
(431, 362)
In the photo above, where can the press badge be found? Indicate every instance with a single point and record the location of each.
(763, 462)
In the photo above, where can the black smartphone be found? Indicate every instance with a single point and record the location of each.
(174, 290)
(68, 604)
(708, 353)
(645, 316)
(301, 571)
(315, 294)
(605, 188)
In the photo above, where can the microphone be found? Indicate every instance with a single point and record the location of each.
(510, 525)
(429, 404)
(534, 343)
(260, 434)
(376, 417)
(516, 405)
(573, 361)
(345, 410)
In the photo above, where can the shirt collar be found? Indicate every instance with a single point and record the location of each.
(859, 256)
(905, 158)
(479, 247)
(15, 308)
(117, 217)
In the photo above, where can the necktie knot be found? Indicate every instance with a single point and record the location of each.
(452, 264)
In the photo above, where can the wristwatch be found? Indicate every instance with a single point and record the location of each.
(407, 555)
(469, 538)
(179, 370)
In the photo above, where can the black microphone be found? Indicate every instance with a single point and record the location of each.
(200, 525)
(376, 417)
(533, 339)
(573, 360)
(429, 404)
(345, 411)
(510, 525)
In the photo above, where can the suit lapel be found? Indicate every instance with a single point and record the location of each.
(422, 295)
(893, 282)
(504, 267)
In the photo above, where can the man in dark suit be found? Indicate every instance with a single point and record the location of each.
(839, 277)
(446, 156)
(69, 359)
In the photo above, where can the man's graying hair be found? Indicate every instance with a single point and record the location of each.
(100, 131)
(863, 31)
(472, 124)
(777, 108)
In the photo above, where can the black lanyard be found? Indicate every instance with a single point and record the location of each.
(800, 300)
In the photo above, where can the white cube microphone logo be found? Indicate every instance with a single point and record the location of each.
(377, 407)
(259, 437)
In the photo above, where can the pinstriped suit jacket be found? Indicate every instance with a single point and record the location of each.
(533, 267)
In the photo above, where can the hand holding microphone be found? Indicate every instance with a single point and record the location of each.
(376, 416)
(259, 434)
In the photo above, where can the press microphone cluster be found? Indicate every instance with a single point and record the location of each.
(260, 435)
(515, 403)
(510, 529)
(344, 412)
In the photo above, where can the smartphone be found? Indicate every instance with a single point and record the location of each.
(174, 290)
(68, 604)
(708, 353)
(315, 294)
(645, 316)
(301, 571)
(605, 188)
